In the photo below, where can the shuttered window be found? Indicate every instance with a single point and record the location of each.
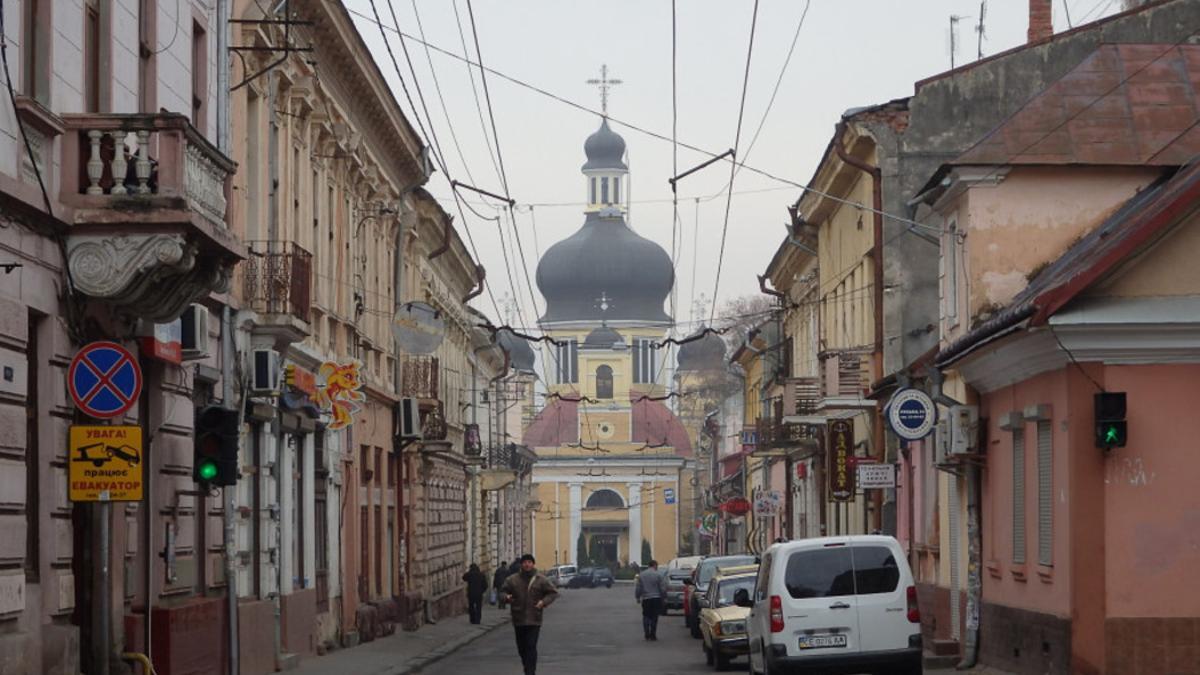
(645, 359)
(1045, 463)
(567, 362)
(1018, 496)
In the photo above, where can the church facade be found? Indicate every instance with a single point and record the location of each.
(614, 462)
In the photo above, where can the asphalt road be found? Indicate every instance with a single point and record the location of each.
(592, 631)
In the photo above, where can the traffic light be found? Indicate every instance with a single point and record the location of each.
(215, 456)
(1111, 428)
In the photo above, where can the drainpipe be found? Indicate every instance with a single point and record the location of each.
(877, 262)
(227, 355)
(974, 582)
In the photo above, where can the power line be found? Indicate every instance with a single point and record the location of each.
(674, 155)
(737, 138)
(441, 99)
(462, 37)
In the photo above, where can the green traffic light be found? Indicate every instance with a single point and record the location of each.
(1110, 436)
(208, 470)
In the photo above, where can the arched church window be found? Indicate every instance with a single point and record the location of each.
(604, 382)
(605, 499)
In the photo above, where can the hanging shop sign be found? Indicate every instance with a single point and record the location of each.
(768, 504)
(911, 414)
(737, 506)
(840, 460)
(876, 476)
(707, 525)
(472, 443)
(669, 496)
(165, 343)
(339, 392)
(301, 379)
(105, 464)
(418, 328)
(104, 380)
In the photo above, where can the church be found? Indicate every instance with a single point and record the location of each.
(614, 462)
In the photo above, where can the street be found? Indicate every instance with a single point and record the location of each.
(586, 631)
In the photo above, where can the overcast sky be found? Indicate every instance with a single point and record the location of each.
(850, 53)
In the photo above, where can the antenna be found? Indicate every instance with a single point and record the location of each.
(954, 19)
(980, 28)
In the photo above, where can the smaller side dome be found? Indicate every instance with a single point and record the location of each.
(705, 353)
(605, 149)
(603, 338)
(520, 354)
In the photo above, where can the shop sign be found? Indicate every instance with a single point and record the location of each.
(472, 443)
(911, 414)
(105, 464)
(840, 460)
(876, 476)
(801, 469)
(737, 506)
(339, 392)
(301, 379)
(768, 504)
(418, 328)
(165, 343)
(668, 495)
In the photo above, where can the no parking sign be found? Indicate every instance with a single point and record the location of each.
(104, 379)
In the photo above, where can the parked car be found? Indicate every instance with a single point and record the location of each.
(701, 577)
(838, 604)
(676, 587)
(602, 576)
(581, 579)
(722, 621)
(686, 563)
(562, 575)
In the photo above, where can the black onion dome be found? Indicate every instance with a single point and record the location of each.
(602, 338)
(520, 354)
(706, 353)
(605, 149)
(605, 257)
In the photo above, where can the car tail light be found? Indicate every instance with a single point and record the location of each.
(914, 612)
(776, 614)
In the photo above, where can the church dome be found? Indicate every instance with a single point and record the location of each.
(707, 353)
(520, 354)
(605, 149)
(602, 338)
(605, 257)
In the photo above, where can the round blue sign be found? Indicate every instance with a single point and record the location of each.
(911, 414)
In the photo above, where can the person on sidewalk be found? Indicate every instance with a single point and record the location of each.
(651, 591)
(529, 593)
(477, 585)
(498, 582)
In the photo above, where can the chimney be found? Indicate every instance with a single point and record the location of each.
(1041, 21)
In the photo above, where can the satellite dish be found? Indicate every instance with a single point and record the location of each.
(418, 328)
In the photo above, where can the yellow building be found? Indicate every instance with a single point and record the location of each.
(612, 457)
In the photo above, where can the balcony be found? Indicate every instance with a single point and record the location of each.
(419, 377)
(801, 396)
(278, 276)
(146, 199)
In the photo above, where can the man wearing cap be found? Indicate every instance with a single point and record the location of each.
(528, 593)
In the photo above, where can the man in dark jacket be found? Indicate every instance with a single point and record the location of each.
(477, 585)
(529, 593)
(498, 581)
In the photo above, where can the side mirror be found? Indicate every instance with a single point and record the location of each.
(741, 598)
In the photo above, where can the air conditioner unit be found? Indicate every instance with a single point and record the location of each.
(410, 419)
(265, 378)
(194, 339)
(964, 429)
(941, 440)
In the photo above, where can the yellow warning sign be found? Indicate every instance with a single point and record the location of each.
(105, 464)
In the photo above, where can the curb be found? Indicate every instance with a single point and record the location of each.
(416, 664)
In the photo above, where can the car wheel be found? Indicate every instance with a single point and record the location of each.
(708, 655)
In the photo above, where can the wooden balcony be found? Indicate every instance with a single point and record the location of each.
(146, 197)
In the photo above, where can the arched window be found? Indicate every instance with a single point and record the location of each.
(605, 499)
(604, 190)
(604, 382)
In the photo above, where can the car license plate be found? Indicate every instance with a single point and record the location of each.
(822, 641)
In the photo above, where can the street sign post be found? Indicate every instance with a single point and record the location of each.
(669, 495)
(105, 464)
(911, 414)
(104, 380)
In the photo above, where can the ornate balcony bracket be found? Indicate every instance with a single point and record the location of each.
(153, 276)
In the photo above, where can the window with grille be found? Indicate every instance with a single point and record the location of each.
(645, 359)
(1045, 459)
(1018, 496)
(567, 362)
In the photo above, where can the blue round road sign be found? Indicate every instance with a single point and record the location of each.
(911, 414)
(104, 379)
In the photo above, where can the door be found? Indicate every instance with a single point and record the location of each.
(882, 582)
(820, 609)
(758, 625)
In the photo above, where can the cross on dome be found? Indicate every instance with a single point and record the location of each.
(604, 83)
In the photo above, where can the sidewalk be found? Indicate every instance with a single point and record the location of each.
(403, 652)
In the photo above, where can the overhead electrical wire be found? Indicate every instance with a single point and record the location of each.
(737, 138)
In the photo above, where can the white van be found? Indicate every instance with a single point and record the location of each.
(838, 604)
(561, 575)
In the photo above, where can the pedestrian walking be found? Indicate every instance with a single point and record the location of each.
(529, 593)
(651, 591)
(477, 585)
(498, 581)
